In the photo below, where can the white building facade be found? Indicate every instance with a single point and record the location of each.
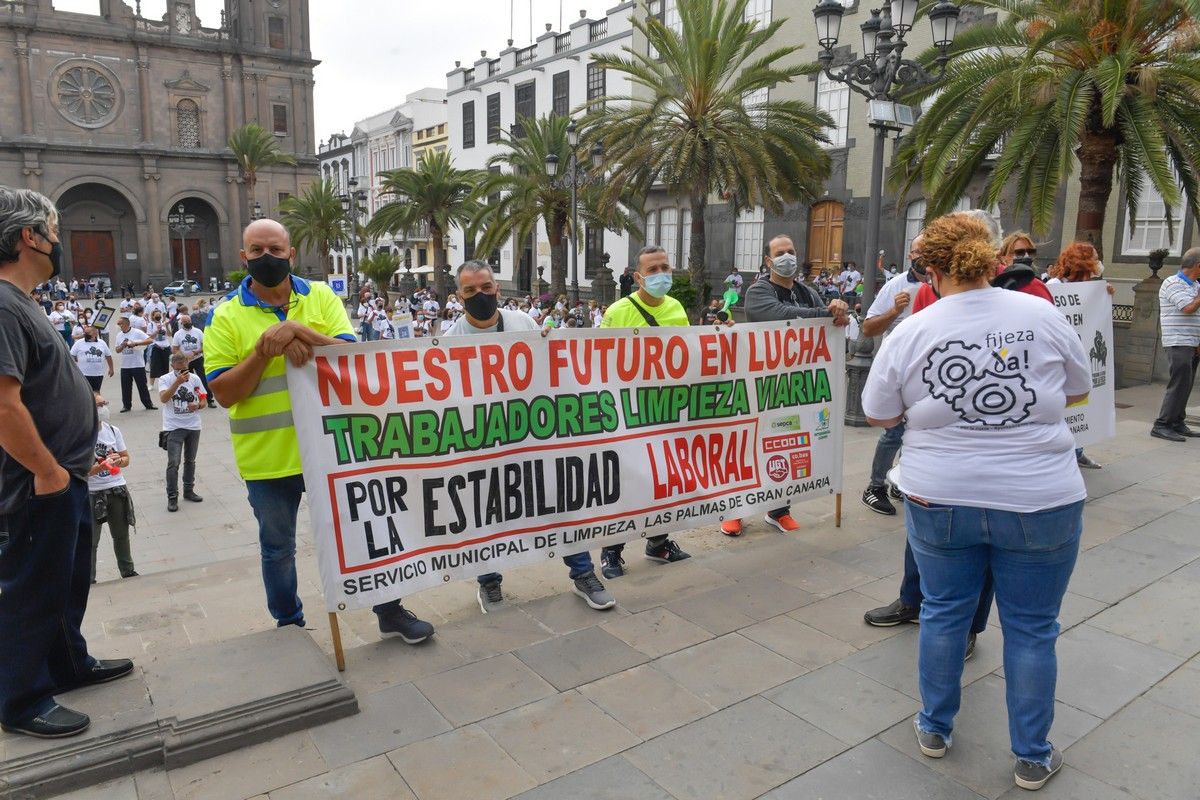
(379, 143)
(554, 75)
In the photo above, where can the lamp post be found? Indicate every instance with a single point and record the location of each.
(881, 75)
(350, 207)
(183, 224)
(575, 180)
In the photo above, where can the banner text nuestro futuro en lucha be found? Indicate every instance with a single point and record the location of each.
(436, 459)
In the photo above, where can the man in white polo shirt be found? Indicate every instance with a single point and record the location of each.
(130, 344)
(1179, 315)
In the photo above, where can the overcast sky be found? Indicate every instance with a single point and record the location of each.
(374, 52)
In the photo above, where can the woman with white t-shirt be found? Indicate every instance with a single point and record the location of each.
(94, 358)
(981, 379)
(109, 494)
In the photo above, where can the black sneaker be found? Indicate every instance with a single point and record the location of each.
(669, 553)
(403, 623)
(192, 497)
(970, 647)
(895, 493)
(890, 615)
(57, 723)
(611, 564)
(1184, 430)
(1031, 776)
(875, 498)
(172, 504)
(490, 597)
(1168, 434)
(932, 745)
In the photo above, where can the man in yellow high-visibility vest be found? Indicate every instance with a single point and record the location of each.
(271, 315)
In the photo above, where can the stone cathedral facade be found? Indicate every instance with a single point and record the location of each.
(121, 120)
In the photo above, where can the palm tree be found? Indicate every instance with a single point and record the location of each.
(315, 220)
(1110, 86)
(380, 268)
(434, 194)
(690, 129)
(255, 148)
(529, 195)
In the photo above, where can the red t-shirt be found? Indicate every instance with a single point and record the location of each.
(926, 297)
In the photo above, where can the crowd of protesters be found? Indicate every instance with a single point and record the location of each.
(993, 498)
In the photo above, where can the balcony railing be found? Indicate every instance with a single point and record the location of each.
(597, 30)
(493, 67)
(526, 56)
(468, 77)
(562, 43)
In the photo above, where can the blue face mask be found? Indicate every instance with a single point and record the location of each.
(658, 284)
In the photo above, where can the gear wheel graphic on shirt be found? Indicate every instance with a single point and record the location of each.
(993, 399)
(950, 370)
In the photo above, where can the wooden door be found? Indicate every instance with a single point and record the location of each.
(825, 223)
(195, 269)
(92, 253)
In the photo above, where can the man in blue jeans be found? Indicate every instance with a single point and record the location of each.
(271, 315)
(480, 294)
(47, 451)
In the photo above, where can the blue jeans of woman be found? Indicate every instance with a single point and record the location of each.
(1031, 556)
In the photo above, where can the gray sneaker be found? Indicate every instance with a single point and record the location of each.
(931, 744)
(491, 598)
(592, 591)
(1031, 776)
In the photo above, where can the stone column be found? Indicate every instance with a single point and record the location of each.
(233, 202)
(21, 49)
(1145, 339)
(144, 100)
(155, 249)
(228, 90)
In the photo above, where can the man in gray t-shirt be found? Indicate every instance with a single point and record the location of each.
(480, 295)
(47, 452)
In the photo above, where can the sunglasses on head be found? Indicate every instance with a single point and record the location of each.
(1021, 251)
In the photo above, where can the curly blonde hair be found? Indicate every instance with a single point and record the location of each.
(959, 246)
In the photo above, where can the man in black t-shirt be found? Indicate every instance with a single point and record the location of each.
(47, 450)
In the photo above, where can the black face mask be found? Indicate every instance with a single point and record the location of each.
(481, 306)
(187, 326)
(269, 270)
(918, 268)
(55, 255)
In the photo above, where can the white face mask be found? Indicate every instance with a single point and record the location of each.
(1099, 267)
(103, 413)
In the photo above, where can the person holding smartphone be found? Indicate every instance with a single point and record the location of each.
(182, 395)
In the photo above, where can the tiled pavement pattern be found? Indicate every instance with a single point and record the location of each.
(744, 672)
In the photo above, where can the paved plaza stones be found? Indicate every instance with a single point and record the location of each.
(743, 672)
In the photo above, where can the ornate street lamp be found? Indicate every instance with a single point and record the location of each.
(573, 179)
(183, 224)
(881, 75)
(351, 208)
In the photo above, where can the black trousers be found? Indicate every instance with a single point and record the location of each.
(197, 366)
(131, 376)
(1182, 362)
(45, 576)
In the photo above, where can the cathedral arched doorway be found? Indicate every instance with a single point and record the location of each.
(98, 229)
(195, 236)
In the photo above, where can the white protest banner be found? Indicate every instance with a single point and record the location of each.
(1088, 307)
(435, 459)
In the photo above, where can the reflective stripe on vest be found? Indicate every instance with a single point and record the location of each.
(275, 383)
(259, 424)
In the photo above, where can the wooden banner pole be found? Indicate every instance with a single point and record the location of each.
(338, 654)
(837, 510)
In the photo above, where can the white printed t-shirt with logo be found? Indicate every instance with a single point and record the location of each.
(175, 413)
(189, 342)
(90, 357)
(885, 301)
(108, 441)
(982, 379)
(132, 357)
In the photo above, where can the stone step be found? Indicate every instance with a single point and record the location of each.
(180, 708)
